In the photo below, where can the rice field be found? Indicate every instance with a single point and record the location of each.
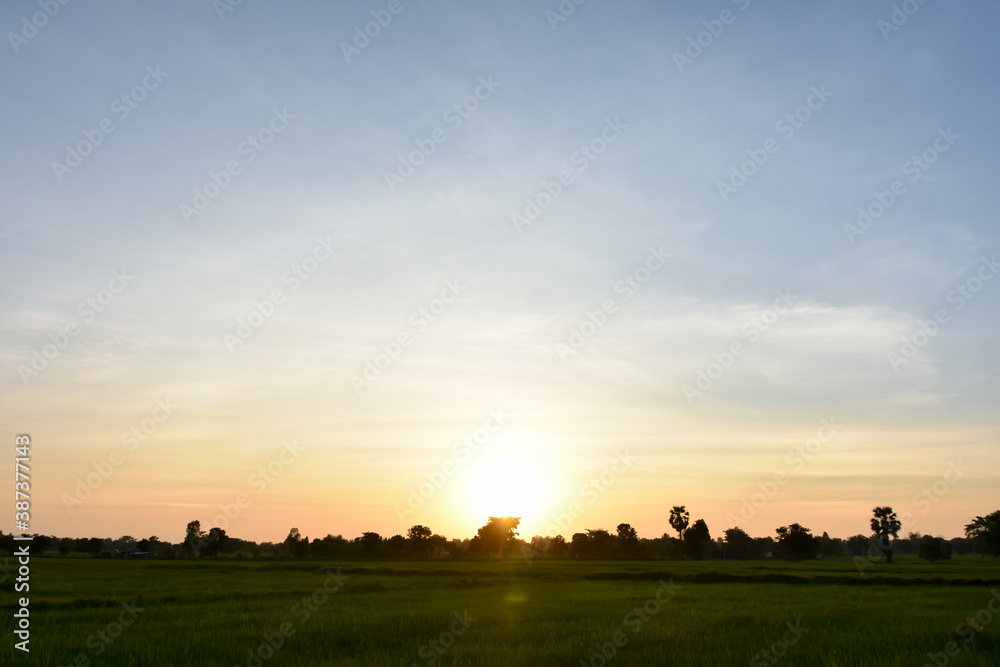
(253, 613)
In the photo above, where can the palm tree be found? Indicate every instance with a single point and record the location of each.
(679, 519)
(884, 524)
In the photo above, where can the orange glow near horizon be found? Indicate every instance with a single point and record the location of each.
(537, 470)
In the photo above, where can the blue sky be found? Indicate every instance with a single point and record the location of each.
(335, 128)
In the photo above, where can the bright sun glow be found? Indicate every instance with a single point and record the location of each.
(514, 474)
(508, 487)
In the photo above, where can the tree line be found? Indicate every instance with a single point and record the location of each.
(498, 538)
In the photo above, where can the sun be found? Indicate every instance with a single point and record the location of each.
(507, 487)
(516, 473)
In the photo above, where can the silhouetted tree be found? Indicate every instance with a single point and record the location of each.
(909, 544)
(94, 545)
(603, 544)
(934, 548)
(797, 542)
(885, 527)
(830, 546)
(38, 544)
(66, 546)
(194, 538)
(418, 538)
(679, 518)
(628, 540)
(331, 546)
(215, 542)
(766, 546)
(986, 530)
(538, 547)
(558, 547)
(579, 545)
(151, 544)
(739, 545)
(372, 543)
(963, 546)
(293, 544)
(498, 534)
(858, 545)
(396, 545)
(476, 547)
(670, 547)
(438, 544)
(123, 542)
(697, 539)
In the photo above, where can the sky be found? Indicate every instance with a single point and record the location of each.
(359, 266)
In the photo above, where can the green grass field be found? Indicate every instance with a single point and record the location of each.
(508, 613)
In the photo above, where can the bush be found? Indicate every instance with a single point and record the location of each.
(934, 548)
